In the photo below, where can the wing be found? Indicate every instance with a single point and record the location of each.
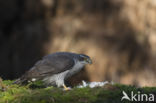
(51, 65)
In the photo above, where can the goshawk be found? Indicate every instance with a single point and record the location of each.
(54, 68)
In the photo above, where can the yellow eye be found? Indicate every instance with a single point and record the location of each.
(85, 59)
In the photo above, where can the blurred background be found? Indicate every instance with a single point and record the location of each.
(119, 35)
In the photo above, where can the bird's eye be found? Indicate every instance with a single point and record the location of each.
(85, 58)
(82, 59)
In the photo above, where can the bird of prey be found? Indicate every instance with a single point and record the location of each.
(55, 68)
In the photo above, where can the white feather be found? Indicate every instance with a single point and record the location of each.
(57, 79)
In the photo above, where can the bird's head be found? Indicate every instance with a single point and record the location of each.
(85, 59)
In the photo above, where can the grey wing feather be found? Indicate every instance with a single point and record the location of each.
(50, 65)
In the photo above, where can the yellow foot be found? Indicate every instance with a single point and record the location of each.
(66, 88)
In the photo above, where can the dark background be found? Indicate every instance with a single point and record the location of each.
(119, 35)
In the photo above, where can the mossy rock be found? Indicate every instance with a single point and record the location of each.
(37, 93)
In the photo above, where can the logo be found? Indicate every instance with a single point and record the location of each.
(125, 96)
(137, 97)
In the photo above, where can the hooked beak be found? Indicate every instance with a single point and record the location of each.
(89, 61)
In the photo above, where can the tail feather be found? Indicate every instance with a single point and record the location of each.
(21, 80)
(24, 79)
(18, 81)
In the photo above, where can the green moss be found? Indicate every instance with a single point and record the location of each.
(36, 93)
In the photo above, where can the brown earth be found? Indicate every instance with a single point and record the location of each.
(119, 35)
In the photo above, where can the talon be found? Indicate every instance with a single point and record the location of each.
(66, 88)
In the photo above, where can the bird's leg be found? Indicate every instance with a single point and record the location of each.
(65, 87)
